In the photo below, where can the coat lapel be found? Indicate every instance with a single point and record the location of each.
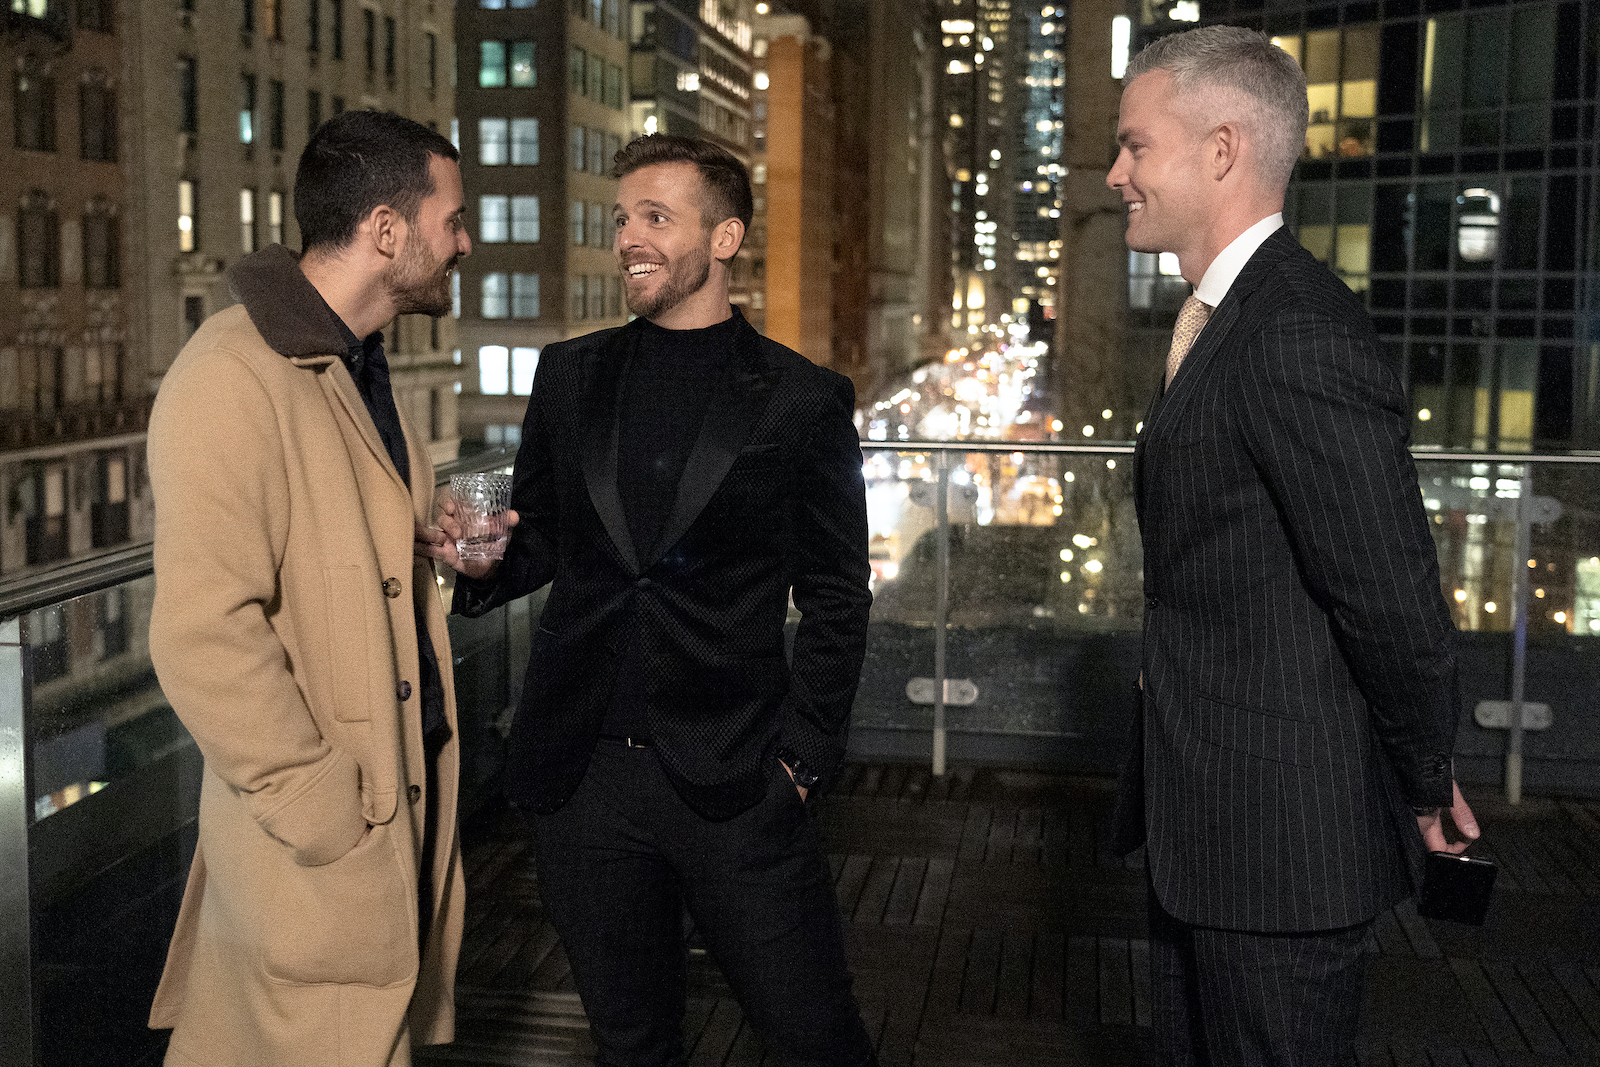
(740, 398)
(603, 378)
(344, 389)
(1212, 339)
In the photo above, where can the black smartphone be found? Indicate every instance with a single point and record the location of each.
(1456, 888)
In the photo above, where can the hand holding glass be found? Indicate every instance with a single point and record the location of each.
(481, 502)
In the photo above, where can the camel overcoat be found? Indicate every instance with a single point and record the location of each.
(284, 634)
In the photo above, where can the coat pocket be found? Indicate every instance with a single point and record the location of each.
(1255, 731)
(347, 922)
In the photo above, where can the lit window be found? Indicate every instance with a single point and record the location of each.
(493, 220)
(524, 361)
(247, 221)
(275, 218)
(525, 218)
(1121, 35)
(524, 142)
(496, 297)
(492, 135)
(525, 297)
(491, 64)
(494, 376)
(186, 217)
(522, 72)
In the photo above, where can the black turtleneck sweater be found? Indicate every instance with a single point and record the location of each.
(666, 389)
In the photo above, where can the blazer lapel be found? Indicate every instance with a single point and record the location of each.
(740, 398)
(603, 379)
(1171, 402)
(344, 389)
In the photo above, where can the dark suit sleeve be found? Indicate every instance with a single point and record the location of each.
(530, 557)
(1325, 423)
(831, 590)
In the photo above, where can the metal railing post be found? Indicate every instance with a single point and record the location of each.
(1519, 633)
(941, 605)
(17, 1018)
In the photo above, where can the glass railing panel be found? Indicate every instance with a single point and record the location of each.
(97, 714)
(1044, 599)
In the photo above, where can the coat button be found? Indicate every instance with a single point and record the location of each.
(403, 690)
(414, 793)
(643, 583)
(391, 587)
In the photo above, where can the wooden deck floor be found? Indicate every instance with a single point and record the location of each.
(988, 926)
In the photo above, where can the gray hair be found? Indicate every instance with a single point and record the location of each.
(1262, 88)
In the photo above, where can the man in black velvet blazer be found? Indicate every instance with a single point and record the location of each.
(1299, 678)
(677, 480)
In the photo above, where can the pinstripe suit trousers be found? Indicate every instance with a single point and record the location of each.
(1230, 998)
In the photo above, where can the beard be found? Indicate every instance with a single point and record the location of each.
(419, 285)
(684, 279)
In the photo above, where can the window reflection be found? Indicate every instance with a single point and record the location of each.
(1341, 88)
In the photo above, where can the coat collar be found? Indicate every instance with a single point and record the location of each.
(297, 323)
(741, 394)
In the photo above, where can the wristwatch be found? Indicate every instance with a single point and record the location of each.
(804, 776)
(1420, 812)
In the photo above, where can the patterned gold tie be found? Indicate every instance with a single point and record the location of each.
(1191, 320)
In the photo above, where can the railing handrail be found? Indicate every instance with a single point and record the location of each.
(91, 574)
(40, 589)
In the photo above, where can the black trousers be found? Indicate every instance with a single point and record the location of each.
(617, 865)
(1229, 998)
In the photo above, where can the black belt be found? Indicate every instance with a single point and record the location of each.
(626, 742)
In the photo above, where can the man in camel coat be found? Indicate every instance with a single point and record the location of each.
(301, 640)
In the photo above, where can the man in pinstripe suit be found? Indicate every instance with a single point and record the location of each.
(1299, 680)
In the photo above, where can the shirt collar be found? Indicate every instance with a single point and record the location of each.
(1230, 261)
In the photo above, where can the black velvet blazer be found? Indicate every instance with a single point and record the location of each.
(1299, 663)
(771, 501)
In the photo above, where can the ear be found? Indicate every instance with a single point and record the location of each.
(1223, 150)
(385, 230)
(726, 237)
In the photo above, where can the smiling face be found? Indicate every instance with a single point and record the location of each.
(1159, 170)
(419, 278)
(665, 248)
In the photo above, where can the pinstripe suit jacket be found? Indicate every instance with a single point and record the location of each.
(1299, 672)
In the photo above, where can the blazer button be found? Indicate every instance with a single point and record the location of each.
(391, 587)
(403, 691)
(414, 793)
(643, 583)
(1151, 603)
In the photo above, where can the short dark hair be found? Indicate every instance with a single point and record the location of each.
(727, 182)
(358, 161)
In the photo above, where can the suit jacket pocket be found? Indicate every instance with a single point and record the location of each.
(1255, 731)
(345, 922)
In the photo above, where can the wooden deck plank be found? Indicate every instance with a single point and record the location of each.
(1487, 1008)
(1002, 831)
(1049, 962)
(983, 973)
(1537, 1032)
(1116, 982)
(716, 1038)
(851, 881)
(1564, 1015)
(1083, 982)
(902, 905)
(974, 834)
(935, 891)
(1139, 962)
(875, 893)
(1583, 994)
(893, 778)
(1012, 984)
(949, 968)
(1028, 839)
(1416, 930)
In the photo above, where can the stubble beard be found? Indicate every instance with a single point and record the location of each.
(678, 288)
(418, 286)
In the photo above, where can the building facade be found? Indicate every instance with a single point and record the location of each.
(542, 101)
(73, 403)
(224, 95)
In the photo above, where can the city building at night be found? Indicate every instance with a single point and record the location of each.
(223, 96)
(542, 109)
(73, 401)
